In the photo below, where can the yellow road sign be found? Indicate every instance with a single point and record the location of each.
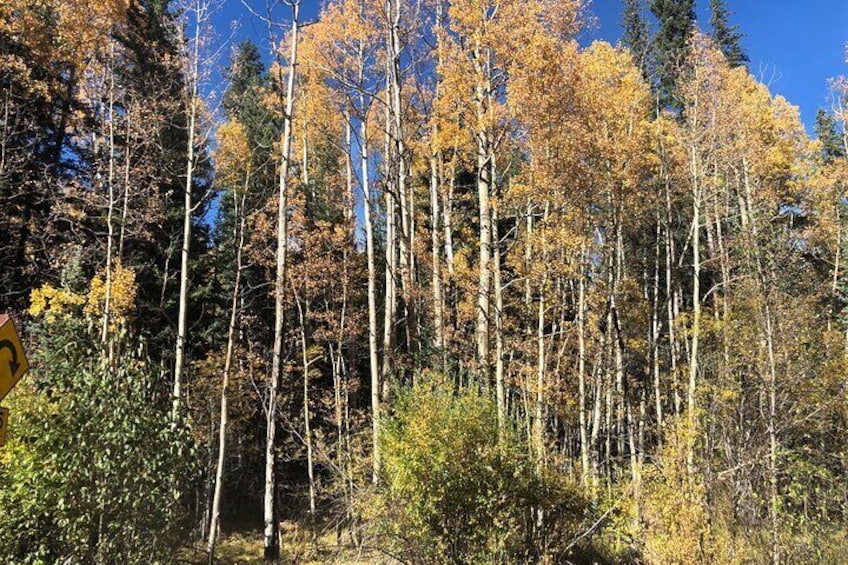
(13, 361)
(4, 425)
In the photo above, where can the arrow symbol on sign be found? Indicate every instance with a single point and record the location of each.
(13, 362)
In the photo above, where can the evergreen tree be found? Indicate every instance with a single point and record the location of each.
(725, 35)
(828, 134)
(676, 21)
(636, 36)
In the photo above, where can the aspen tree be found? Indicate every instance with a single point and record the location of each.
(234, 161)
(270, 532)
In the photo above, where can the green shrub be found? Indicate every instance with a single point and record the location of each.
(452, 492)
(93, 469)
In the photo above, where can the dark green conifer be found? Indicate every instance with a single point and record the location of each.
(636, 36)
(828, 134)
(676, 20)
(726, 36)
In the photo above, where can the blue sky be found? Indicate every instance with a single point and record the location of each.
(794, 45)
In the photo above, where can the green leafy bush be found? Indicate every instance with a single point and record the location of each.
(453, 492)
(94, 469)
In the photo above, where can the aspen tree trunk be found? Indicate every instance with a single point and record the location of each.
(307, 426)
(772, 368)
(670, 259)
(539, 435)
(372, 297)
(337, 358)
(500, 390)
(107, 306)
(618, 347)
(436, 179)
(772, 431)
(449, 312)
(215, 514)
(484, 181)
(696, 304)
(611, 345)
(3, 139)
(193, 79)
(836, 265)
(447, 212)
(389, 310)
(725, 285)
(126, 196)
(597, 376)
(655, 334)
(581, 368)
(393, 14)
(635, 473)
(271, 540)
(436, 267)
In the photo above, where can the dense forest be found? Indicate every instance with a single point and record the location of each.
(417, 282)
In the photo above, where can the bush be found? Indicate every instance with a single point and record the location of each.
(93, 469)
(452, 492)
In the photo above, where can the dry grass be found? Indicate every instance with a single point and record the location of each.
(245, 548)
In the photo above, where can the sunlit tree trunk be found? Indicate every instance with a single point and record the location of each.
(696, 301)
(500, 389)
(372, 296)
(307, 425)
(484, 182)
(436, 263)
(215, 514)
(126, 196)
(389, 311)
(270, 533)
(193, 78)
(581, 367)
(110, 226)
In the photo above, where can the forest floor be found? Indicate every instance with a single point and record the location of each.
(245, 548)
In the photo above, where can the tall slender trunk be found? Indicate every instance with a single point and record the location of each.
(836, 266)
(581, 367)
(307, 425)
(436, 263)
(670, 259)
(372, 297)
(696, 303)
(406, 243)
(484, 181)
(271, 540)
(193, 79)
(389, 310)
(110, 241)
(215, 514)
(541, 361)
(539, 428)
(500, 390)
(771, 381)
(655, 332)
(126, 195)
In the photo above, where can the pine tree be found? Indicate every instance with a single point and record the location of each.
(828, 135)
(725, 35)
(636, 36)
(676, 21)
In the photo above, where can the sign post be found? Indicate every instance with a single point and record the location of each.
(4, 425)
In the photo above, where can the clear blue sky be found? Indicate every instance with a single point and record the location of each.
(794, 45)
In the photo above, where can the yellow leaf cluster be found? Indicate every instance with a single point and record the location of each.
(233, 158)
(121, 299)
(54, 303)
